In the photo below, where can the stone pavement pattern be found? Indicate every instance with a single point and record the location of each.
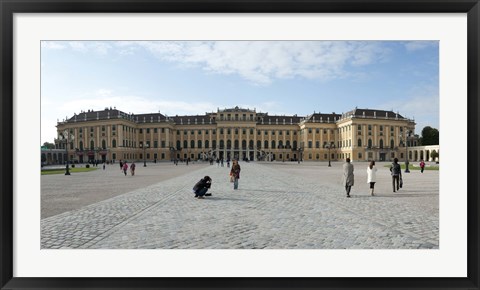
(277, 206)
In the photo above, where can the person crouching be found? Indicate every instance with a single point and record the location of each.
(200, 189)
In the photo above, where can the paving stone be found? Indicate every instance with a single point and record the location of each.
(278, 206)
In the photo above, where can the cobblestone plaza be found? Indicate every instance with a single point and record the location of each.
(279, 205)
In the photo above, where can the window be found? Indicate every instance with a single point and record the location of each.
(392, 144)
(273, 144)
(369, 127)
(192, 132)
(214, 144)
(178, 145)
(381, 143)
(359, 142)
(309, 144)
(359, 155)
(114, 144)
(207, 131)
(287, 132)
(266, 132)
(155, 144)
(229, 131)
(214, 131)
(103, 129)
(178, 132)
(207, 144)
(265, 144)
(369, 143)
(381, 128)
(309, 130)
(92, 145)
(184, 132)
(192, 144)
(163, 130)
(229, 144)
(91, 129)
(199, 132)
(185, 144)
(163, 144)
(317, 144)
(273, 132)
(199, 144)
(236, 144)
(148, 130)
(259, 144)
(236, 131)
(317, 131)
(251, 131)
(244, 131)
(155, 130)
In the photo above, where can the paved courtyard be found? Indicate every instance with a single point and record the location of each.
(279, 205)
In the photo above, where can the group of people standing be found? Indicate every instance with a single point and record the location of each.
(395, 171)
(201, 187)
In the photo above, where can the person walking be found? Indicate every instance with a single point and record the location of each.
(348, 178)
(121, 165)
(372, 176)
(125, 168)
(422, 166)
(235, 173)
(396, 171)
(132, 168)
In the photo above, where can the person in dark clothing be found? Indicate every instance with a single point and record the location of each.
(200, 189)
(396, 171)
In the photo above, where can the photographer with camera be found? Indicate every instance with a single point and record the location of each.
(200, 189)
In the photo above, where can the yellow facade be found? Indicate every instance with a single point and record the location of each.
(361, 134)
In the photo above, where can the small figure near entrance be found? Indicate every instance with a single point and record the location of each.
(125, 168)
(132, 168)
(422, 166)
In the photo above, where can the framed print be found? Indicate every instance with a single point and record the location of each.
(210, 144)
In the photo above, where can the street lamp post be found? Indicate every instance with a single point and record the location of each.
(144, 160)
(67, 138)
(329, 146)
(407, 134)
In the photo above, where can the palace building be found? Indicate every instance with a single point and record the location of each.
(360, 134)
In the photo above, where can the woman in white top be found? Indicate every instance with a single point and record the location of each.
(371, 176)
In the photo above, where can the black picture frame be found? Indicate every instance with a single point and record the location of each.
(9, 7)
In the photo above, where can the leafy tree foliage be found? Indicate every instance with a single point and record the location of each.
(49, 145)
(430, 136)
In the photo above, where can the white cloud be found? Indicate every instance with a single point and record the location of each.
(54, 45)
(261, 62)
(419, 45)
(422, 104)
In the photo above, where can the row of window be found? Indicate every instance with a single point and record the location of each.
(266, 144)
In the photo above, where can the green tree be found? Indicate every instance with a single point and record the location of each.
(430, 136)
(434, 154)
(49, 145)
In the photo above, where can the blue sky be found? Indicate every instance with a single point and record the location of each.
(278, 77)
